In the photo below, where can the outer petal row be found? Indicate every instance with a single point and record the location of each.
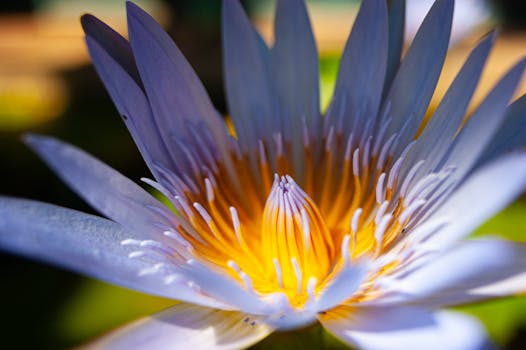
(404, 328)
(187, 327)
(485, 268)
(108, 191)
(84, 243)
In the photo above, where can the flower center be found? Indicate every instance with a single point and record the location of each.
(280, 237)
(296, 238)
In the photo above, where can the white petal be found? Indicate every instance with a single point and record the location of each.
(343, 286)
(404, 329)
(482, 195)
(84, 243)
(190, 327)
(508, 286)
(224, 288)
(105, 189)
(478, 264)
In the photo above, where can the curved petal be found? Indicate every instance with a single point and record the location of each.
(295, 71)
(404, 328)
(114, 195)
(178, 100)
(186, 326)
(512, 132)
(295, 64)
(84, 243)
(116, 46)
(479, 264)
(483, 123)
(343, 286)
(415, 81)
(362, 69)
(113, 60)
(224, 288)
(396, 13)
(250, 97)
(476, 200)
(440, 131)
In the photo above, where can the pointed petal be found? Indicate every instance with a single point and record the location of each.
(415, 82)
(512, 132)
(362, 68)
(105, 189)
(478, 263)
(250, 98)
(295, 71)
(396, 13)
(177, 97)
(343, 286)
(477, 199)
(440, 131)
(295, 63)
(223, 288)
(83, 243)
(113, 60)
(116, 46)
(405, 329)
(483, 123)
(186, 326)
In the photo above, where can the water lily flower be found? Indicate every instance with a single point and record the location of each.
(355, 219)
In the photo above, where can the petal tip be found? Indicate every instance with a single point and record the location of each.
(86, 21)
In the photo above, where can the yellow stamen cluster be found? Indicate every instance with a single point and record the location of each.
(282, 236)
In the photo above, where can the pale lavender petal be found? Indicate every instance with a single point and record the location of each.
(177, 97)
(295, 71)
(477, 264)
(295, 64)
(483, 123)
(251, 101)
(405, 328)
(511, 134)
(509, 286)
(482, 195)
(362, 69)
(396, 13)
(414, 84)
(186, 326)
(343, 286)
(445, 122)
(114, 195)
(113, 60)
(83, 243)
(224, 288)
(115, 45)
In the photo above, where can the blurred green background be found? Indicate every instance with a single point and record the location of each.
(48, 86)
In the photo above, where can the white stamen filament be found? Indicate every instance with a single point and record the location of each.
(356, 162)
(297, 273)
(209, 190)
(279, 273)
(380, 194)
(236, 224)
